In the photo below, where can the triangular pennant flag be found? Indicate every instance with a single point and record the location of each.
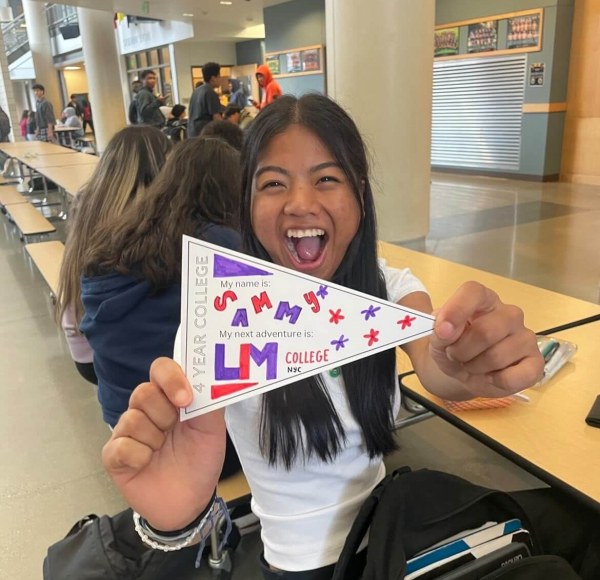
(249, 326)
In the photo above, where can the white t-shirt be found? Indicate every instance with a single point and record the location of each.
(307, 512)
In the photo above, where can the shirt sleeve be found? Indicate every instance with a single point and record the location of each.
(400, 283)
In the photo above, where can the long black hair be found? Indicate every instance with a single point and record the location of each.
(300, 419)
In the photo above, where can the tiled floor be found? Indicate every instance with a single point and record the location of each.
(50, 425)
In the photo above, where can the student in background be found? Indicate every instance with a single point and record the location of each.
(311, 451)
(204, 102)
(147, 103)
(270, 87)
(228, 132)
(75, 104)
(232, 114)
(72, 120)
(31, 127)
(176, 127)
(237, 97)
(86, 115)
(4, 126)
(131, 161)
(23, 123)
(45, 118)
(132, 112)
(131, 288)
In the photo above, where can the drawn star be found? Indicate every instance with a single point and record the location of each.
(370, 312)
(322, 292)
(372, 336)
(336, 316)
(406, 322)
(339, 343)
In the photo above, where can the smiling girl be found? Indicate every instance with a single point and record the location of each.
(312, 452)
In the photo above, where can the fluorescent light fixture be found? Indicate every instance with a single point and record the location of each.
(225, 3)
(72, 68)
(188, 14)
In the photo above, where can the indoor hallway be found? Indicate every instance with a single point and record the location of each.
(52, 431)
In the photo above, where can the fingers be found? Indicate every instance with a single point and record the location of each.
(168, 376)
(469, 301)
(485, 331)
(484, 344)
(124, 454)
(502, 354)
(152, 401)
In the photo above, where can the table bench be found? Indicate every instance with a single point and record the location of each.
(9, 196)
(47, 257)
(29, 221)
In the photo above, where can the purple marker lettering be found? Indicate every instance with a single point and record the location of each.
(223, 373)
(284, 310)
(240, 317)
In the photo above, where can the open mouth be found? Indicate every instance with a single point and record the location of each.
(306, 246)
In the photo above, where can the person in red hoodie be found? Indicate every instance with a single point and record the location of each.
(270, 87)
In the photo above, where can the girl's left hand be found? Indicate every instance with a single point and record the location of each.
(483, 343)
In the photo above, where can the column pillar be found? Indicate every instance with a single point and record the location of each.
(41, 53)
(102, 67)
(380, 68)
(7, 94)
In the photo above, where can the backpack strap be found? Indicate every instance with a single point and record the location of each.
(362, 523)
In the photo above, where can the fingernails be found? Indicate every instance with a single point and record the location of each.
(445, 329)
(181, 399)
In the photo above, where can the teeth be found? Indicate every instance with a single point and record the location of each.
(305, 233)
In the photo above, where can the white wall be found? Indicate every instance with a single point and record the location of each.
(190, 53)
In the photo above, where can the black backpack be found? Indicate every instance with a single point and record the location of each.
(409, 511)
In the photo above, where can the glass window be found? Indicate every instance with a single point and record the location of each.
(164, 55)
(142, 60)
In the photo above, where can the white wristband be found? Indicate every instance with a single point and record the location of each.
(185, 539)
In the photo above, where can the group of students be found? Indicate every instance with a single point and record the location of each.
(299, 195)
(40, 123)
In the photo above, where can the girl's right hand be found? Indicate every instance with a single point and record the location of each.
(166, 470)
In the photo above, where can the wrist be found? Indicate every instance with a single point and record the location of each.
(159, 530)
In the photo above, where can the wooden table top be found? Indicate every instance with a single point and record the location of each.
(32, 148)
(71, 179)
(67, 160)
(543, 308)
(549, 432)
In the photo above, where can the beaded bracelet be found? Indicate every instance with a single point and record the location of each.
(217, 511)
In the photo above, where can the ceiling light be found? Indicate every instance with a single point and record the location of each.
(225, 3)
(72, 68)
(187, 14)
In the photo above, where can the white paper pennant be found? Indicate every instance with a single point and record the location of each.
(249, 326)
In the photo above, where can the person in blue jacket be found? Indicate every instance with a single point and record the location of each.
(132, 270)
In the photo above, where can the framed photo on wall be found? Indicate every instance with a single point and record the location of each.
(294, 62)
(274, 64)
(311, 60)
(483, 37)
(305, 60)
(524, 31)
(446, 42)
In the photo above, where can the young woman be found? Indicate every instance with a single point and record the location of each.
(131, 286)
(311, 454)
(23, 123)
(131, 161)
